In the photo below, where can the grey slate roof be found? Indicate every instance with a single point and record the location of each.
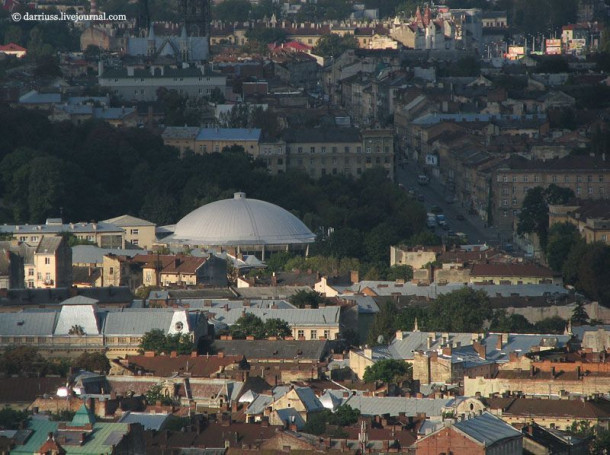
(27, 324)
(59, 228)
(579, 331)
(487, 429)
(387, 288)
(309, 399)
(105, 296)
(147, 420)
(137, 321)
(91, 254)
(372, 406)
(180, 132)
(328, 316)
(77, 314)
(48, 245)
(267, 349)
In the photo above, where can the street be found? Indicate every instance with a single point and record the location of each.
(434, 194)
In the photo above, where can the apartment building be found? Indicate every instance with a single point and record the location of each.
(333, 151)
(592, 218)
(587, 176)
(52, 267)
(139, 233)
(211, 140)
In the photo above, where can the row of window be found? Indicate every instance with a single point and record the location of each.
(579, 191)
(334, 149)
(313, 334)
(554, 178)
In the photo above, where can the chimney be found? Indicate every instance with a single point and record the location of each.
(173, 354)
(578, 375)
(273, 279)
(399, 335)
(447, 351)
(532, 371)
(354, 277)
(553, 372)
(480, 349)
(368, 352)
(499, 342)
(193, 353)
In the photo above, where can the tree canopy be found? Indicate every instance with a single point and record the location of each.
(333, 45)
(157, 341)
(389, 371)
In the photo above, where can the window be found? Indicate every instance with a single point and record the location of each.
(525, 178)
(346, 149)
(135, 242)
(536, 178)
(590, 190)
(514, 201)
(604, 237)
(589, 178)
(566, 179)
(504, 191)
(30, 272)
(47, 277)
(327, 334)
(504, 202)
(300, 333)
(322, 149)
(601, 178)
(300, 150)
(578, 190)
(368, 150)
(515, 178)
(334, 149)
(135, 231)
(377, 160)
(280, 161)
(47, 261)
(111, 271)
(578, 178)
(368, 160)
(505, 213)
(358, 149)
(346, 160)
(34, 238)
(312, 150)
(313, 334)
(504, 178)
(554, 179)
(39, 276)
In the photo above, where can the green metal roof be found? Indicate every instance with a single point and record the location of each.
(83, 417)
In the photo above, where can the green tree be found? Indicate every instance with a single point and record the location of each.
(303, 298)
(514, 323)
(232, 11)
(332, 45)
(157, 341)
(155, 394)
(424, 238)
(92, 361)
(316, 422)
(344, 416)
(11, 419)
(562, 237)
(248, 325)
(400, 272)
(277, 328)
(534, 215)
(388, 371)
(579, 315)
(384, 325)
(588, 269)
(464, 310)
(554, 324)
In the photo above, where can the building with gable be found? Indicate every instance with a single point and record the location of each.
(482, 434)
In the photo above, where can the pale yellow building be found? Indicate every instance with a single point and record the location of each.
(52, 264)
(139, 233)
(415, 257)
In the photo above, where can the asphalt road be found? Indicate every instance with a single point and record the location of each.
(435, 194)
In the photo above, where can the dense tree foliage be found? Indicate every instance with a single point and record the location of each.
(534, 215)
(304, 298)
(464, 310)
(587, 268)
(157, 341)
(389, 371)
(11, 419)
(92, 361)
(155, 395)
(344, 416)
(26, 360)
(131, 171)
(251, 325)
(562, 237)
(334, 45)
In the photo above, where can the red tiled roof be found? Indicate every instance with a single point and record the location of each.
(12, 47)
(515, 270)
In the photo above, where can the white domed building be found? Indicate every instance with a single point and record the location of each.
(244, 225)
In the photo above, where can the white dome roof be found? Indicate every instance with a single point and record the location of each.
(241, 221)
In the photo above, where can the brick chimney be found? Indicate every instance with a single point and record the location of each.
(354, 277)
(480, 349)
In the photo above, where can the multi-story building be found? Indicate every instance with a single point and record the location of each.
(139, 233)
(587, 176)
(592, 218)
(141, 84)
(52, 266)
(211, 140)
(102, 234)
(346, 151)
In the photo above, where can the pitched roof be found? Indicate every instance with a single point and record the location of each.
(372, 406)
(514, 270)
(229, 134)
(84, 416)
(128, 220)
(557, 408)
(324, 135)
(268, 349)
(49, 245)
(200, 366)
(487, 429)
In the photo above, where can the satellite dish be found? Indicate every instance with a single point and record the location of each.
(380, 339)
